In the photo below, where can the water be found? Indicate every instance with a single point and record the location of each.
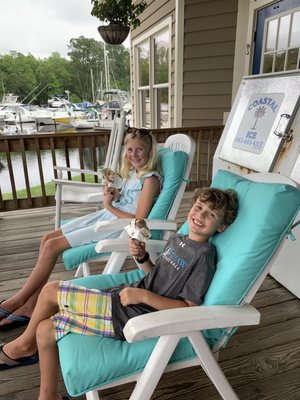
(33, 170)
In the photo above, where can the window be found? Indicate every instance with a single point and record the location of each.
(281, 49)
(152, 80)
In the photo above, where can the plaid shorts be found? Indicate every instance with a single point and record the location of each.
(81, 310)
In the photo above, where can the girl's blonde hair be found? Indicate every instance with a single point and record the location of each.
(150, 144)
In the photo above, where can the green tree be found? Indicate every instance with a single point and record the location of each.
(17, 73)
(37, 80)
(87, 55)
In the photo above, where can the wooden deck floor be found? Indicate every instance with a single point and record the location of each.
(261, 363)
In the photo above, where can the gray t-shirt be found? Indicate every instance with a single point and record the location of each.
(183, 271)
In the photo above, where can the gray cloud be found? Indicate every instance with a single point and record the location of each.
(40, 27)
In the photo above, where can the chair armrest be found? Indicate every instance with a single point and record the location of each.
(188, 319)
(120, 223)
(120, 245)
(77, 170)
(77, 183)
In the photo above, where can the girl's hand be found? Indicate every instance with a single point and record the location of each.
(108, 197)
(137, 248)
(131, 295)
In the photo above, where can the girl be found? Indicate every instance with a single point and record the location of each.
(139, 191)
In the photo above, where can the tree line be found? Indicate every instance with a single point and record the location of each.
(83, 74)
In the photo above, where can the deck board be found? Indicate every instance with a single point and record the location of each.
(261, 362)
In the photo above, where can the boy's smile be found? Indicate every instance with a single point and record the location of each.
(204, 221)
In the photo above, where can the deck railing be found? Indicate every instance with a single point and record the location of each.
(93, 144)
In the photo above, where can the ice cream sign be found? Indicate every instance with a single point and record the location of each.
(257, 122)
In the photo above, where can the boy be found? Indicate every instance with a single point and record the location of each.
(180, 278)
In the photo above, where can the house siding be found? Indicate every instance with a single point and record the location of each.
(208, 48)
(209, 42)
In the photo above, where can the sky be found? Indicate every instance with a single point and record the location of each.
(40, 27)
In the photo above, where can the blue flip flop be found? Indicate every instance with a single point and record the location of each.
(3, 313)
(19, 362)
(17, 321)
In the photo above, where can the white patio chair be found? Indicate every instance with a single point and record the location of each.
(68, 191)
(178, 338)
(176, 158)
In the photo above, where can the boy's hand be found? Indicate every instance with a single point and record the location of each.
(131, 295)
(137, 248)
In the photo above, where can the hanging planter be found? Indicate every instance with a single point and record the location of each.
(121, 15)
(114, 33)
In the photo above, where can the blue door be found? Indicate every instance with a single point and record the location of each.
(276, 8)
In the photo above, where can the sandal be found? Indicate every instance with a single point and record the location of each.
(19, 362)
(3, 313)
(17, 321)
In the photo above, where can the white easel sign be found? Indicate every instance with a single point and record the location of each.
(257, 122)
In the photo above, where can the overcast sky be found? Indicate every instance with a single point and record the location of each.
(40, 27)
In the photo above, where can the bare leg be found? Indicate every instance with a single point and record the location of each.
(25, 345)
(28, 294)
(49, 361)
(50, 235)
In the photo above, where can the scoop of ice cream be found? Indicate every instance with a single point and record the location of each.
(111, 178)
(138, 229)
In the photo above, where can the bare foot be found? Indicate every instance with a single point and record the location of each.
(23, 311)
(14, 351)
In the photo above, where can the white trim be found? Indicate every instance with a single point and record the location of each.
(179, 45)
(149, 32)
(240, 57)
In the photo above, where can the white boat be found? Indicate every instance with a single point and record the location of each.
(15, 114)
(9, 100)
(84, 123)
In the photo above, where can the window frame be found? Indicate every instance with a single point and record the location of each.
(149, 36)
(276, 50)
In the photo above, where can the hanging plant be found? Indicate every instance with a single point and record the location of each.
(120, 15)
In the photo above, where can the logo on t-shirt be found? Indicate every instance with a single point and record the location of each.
(174, 259)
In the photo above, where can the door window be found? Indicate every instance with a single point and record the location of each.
(276, 40)
(282, 43)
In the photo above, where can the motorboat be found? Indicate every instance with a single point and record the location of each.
(13, 114)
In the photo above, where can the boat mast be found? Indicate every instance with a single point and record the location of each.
(93, 90)
(106, 68)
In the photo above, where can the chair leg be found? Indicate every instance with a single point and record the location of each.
(212, 367)
(86, 269)
(155, 367)
(79, 272)
(58, 206)
(83, 270)
(115, 263)
(92, 395)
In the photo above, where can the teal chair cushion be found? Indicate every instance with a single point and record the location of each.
(173, 165)
(247, 245)
(243, 250)
(84, 360)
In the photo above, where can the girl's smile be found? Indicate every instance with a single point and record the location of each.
(137, 154)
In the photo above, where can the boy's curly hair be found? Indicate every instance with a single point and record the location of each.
(225, 200)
